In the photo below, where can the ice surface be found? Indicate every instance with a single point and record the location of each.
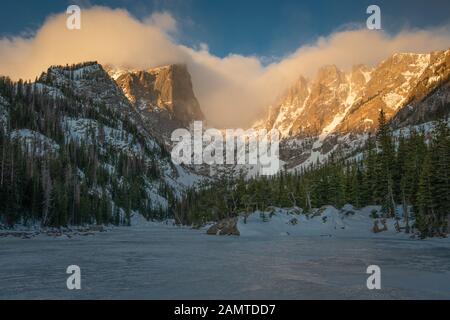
(158, 261)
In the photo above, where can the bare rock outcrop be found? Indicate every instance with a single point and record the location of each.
(225, 227)
(164, 96)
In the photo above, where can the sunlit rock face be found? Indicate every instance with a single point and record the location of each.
(164, 96)
(336, 109)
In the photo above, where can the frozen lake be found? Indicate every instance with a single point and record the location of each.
(163, 262)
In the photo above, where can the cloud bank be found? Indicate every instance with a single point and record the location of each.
(233, 90)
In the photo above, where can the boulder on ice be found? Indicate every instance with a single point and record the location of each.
(225, 227)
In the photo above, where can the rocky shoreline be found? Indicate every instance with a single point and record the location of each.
(68, 232)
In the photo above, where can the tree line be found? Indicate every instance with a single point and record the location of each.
(407, 173)
(70, 182)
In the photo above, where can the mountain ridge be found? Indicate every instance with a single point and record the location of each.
(164, 96)
(75, 140)
(336, 105)
(309, 100)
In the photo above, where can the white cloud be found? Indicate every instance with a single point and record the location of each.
(231, 90)
(163, 21)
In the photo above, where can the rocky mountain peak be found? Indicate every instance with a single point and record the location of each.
(164, 96)
(166, 89)
(87, 79)
(360, 75)
(329, 76)
(335, 103)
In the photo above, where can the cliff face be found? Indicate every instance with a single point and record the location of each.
(316, 114)
(164, 96)
(77, 130)
(338, 102)
(404, 80)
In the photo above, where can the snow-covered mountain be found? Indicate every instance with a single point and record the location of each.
(163, 96)
(337, 109)
(78, 114)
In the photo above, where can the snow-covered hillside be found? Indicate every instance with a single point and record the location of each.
(349, 145)
(78, 115)
(336, 110)
(42, 145)
(326, 222)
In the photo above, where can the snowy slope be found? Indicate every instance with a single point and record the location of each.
(30, 139)
(335, 110)
(349, 144)
(95, 116)
(324, 222)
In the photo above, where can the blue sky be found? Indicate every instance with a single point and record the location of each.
(267, 28)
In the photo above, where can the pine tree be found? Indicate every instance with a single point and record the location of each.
(441, 174)
(385, 185)
(425, 202)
